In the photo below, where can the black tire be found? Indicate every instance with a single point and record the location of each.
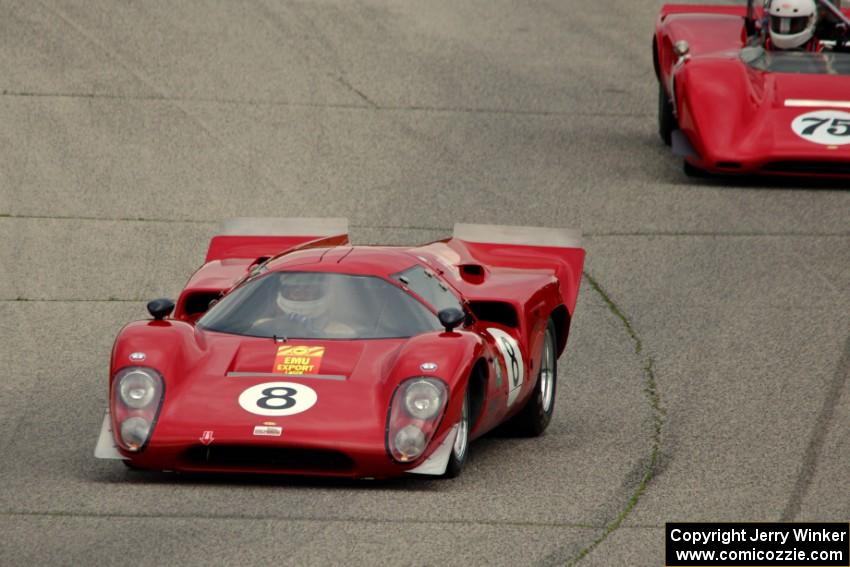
(666, 121)
(693, 171)
(534, 418)
(460, 448)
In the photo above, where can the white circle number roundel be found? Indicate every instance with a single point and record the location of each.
(278, 398)
(512, 355)
(827, 127)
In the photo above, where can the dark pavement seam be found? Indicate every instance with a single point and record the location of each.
(587, 234)
(239, 517)
(650, 389)
(370, 104)
(820, 428)
(72, 300)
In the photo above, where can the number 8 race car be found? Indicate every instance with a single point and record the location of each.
(728, 103)
(291, 352)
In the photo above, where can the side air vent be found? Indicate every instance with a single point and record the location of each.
(495, 312)
(472, 273)
(198, 302)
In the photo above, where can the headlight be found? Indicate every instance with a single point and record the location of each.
(137, 388)
(135, 402)
(409, 442)
(422, 399)
(134, 432)
(414, 414)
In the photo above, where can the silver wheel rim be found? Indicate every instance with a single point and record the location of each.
(547, 373)
(459, 447)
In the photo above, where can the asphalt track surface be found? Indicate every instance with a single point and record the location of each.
(706, 377)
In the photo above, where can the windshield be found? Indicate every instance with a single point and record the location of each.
(429, 288)
(808, 62)
(316, 305)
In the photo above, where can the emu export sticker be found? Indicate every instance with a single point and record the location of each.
(298, 359)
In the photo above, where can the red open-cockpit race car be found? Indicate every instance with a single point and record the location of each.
(730, 102)
(291, 352)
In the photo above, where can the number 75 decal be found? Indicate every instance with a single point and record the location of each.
(827, 127)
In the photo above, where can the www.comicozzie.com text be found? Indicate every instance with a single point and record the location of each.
(755, 534)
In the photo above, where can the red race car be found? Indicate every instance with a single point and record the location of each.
(755, 89)
(291, 352)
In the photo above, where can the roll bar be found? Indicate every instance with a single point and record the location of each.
(835, 11)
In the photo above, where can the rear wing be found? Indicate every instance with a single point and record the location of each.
(241, 244)
(257, 237)
(518, 235)
(528, 247)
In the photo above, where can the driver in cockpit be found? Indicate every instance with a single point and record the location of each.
(303, 304)
(791, 26)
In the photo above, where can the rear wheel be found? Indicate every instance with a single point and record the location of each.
(666, 120)
(460, 448)
(534, 418)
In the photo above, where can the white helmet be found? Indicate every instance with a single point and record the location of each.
(792, 22)
(304, 294)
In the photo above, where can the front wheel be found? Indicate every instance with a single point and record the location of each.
(666, 120)
(460, 448)
(693, 171)
(534, 418)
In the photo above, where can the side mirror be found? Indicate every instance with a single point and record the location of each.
(451, 318)
(160, 308)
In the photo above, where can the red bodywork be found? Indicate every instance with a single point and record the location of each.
(513, 288)
(737, 118)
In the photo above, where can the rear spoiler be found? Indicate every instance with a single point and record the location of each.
(529, 247)
(257, 237)
(518, 235)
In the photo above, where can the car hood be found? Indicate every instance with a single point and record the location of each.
(332, 387)
(732, 112)
(787, 97)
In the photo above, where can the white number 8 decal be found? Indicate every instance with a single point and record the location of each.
(512, 355)
(278, 398)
